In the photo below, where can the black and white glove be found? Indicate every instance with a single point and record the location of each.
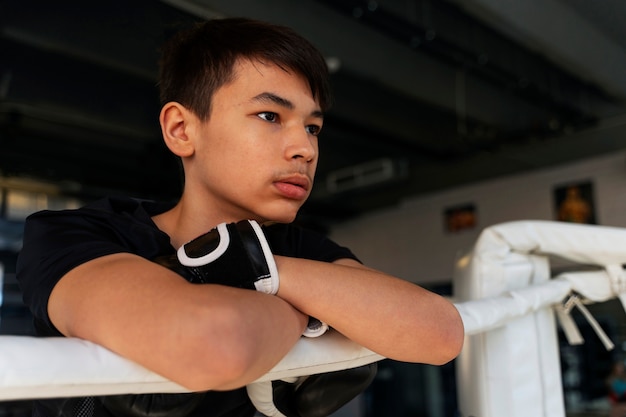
(232, 254)
(315, 328)
(236, 255)
(310, 396)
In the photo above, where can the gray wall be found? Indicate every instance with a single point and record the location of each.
(410, 241)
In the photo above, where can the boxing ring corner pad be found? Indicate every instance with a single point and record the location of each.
(510, 304)
(502, 289)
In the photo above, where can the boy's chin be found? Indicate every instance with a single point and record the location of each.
(285, 217)
(284, 220)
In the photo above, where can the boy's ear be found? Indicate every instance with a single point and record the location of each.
(175, 122)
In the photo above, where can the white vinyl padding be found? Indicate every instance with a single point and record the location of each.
(33, 367)
(504, 290)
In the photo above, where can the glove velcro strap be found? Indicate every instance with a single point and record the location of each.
(205, 249)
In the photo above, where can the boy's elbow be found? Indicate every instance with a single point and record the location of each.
(436, 341)
(226, 375)
(452, 338)
(222, 358)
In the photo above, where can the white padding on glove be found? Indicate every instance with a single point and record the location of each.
(262, 396)
(315, 328)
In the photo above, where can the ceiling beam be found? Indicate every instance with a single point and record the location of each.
(560, 34)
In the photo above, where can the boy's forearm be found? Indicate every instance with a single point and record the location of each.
(201, 336)
(388, 315)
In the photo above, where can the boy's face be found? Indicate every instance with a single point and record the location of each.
(256, 155)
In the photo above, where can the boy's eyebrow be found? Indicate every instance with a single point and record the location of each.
(273, 98)
(283, 102)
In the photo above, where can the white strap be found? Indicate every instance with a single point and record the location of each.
(575, 301)
(569, 326)
(262, 396)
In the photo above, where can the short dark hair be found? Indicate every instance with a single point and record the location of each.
(197, 61)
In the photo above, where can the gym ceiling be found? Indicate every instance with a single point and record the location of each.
(429, 94)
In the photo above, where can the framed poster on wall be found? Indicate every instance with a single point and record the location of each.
(574, 203)
(459, 218)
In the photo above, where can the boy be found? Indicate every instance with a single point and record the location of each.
(243, 104)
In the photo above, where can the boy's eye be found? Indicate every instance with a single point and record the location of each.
(268, 115)
(313, 129)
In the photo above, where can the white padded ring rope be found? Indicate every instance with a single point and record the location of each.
(51, 367)
(62, 367)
